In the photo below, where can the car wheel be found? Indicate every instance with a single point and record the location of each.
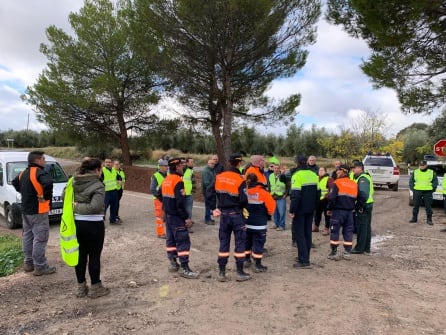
(395, 187)
(12, 219)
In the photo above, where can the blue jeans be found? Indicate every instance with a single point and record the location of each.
(189, 205)
(207, 212)
(280, 212)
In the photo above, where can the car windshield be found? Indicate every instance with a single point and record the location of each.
(378, 161)
(54, 169)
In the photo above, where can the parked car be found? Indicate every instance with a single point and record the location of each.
(11, 164)
(439, 168)
(383, 170)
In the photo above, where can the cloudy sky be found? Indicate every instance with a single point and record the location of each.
(332, 86)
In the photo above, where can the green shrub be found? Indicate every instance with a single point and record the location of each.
(11, 255)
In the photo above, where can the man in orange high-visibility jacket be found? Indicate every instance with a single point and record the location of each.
(155, 188)
(343, 199)
(257, 165)
(229, 190)
(36, 187)
(177, 220)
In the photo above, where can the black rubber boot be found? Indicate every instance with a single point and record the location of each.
(259, 267)
(429, 221)
(413, 220)
(174, 266)
(247, 263)
(186, 272)
(242, 275)
(222, 273)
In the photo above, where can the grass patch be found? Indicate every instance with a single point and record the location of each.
(11, 255)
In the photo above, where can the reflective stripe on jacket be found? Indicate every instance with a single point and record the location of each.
(260, 205)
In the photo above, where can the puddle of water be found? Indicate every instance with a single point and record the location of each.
(376, 240)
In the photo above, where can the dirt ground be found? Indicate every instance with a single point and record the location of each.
(398, 289)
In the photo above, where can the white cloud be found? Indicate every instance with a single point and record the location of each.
(331, 83)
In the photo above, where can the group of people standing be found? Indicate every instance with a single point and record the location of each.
(94, 189)
(245, 198)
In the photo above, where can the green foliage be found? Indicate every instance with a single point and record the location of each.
(96, 85)
(11, 255)
(221, 56)
(408, 43)
(413, 141)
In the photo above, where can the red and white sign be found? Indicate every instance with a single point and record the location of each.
(440, 148)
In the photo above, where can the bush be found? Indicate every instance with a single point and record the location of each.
(11, 255)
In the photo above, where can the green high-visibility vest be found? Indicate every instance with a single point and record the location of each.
(187, 180)
(323, 186)
(443, 185)
(423, 180)
(159, 179)
(121, 173)
(69, 247)
(277, 187)
(302, 178)
(110, 181)
(371, 190)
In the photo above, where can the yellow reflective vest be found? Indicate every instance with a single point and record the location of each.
(69, 247)
(110, 181)
(423, 180)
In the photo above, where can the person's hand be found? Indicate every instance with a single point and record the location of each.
(216, 213)
(329, 213)
(189, 223)
(292, 215)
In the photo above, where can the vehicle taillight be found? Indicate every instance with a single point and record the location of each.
(396, 171)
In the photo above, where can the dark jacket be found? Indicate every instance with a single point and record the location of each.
(305, 199)
(23, 184)
(229, 195)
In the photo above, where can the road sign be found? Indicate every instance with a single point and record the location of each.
(440, 148)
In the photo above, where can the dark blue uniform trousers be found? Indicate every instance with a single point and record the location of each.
(302, 232)
(231, 222)
(111, 199)
(177, 239)
(342, 218)
(255, 242)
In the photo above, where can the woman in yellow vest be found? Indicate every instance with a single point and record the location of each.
(325, 183)
(89, 193)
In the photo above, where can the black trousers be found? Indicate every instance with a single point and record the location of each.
(90, 236)
(418, 196)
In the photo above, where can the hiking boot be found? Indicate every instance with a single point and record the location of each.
(174, 266)
(242, 275)
(209, 222)
(47, 270)
(186, 272)
(429, 222)
(97, 290)
(334, 256)
(347, 255)
(247, 263)
(115, 223)
(162, 237)
(260, 268)
(300, 265)
(413, 220)
(82, 290)
(222, 274)
(356, 252)
(28, 267)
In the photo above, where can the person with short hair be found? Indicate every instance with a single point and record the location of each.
(227, 198)
(207, 178)
(155, 188)
(120, 184)
(423, 182)
(36, 188)
(343, 199)
(304, 197)
(363, 216)
(177, 220)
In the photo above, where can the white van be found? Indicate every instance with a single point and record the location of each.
(11, 164)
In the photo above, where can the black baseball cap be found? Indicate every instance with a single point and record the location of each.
(236, 158)
(173, 162)
(344, 168)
